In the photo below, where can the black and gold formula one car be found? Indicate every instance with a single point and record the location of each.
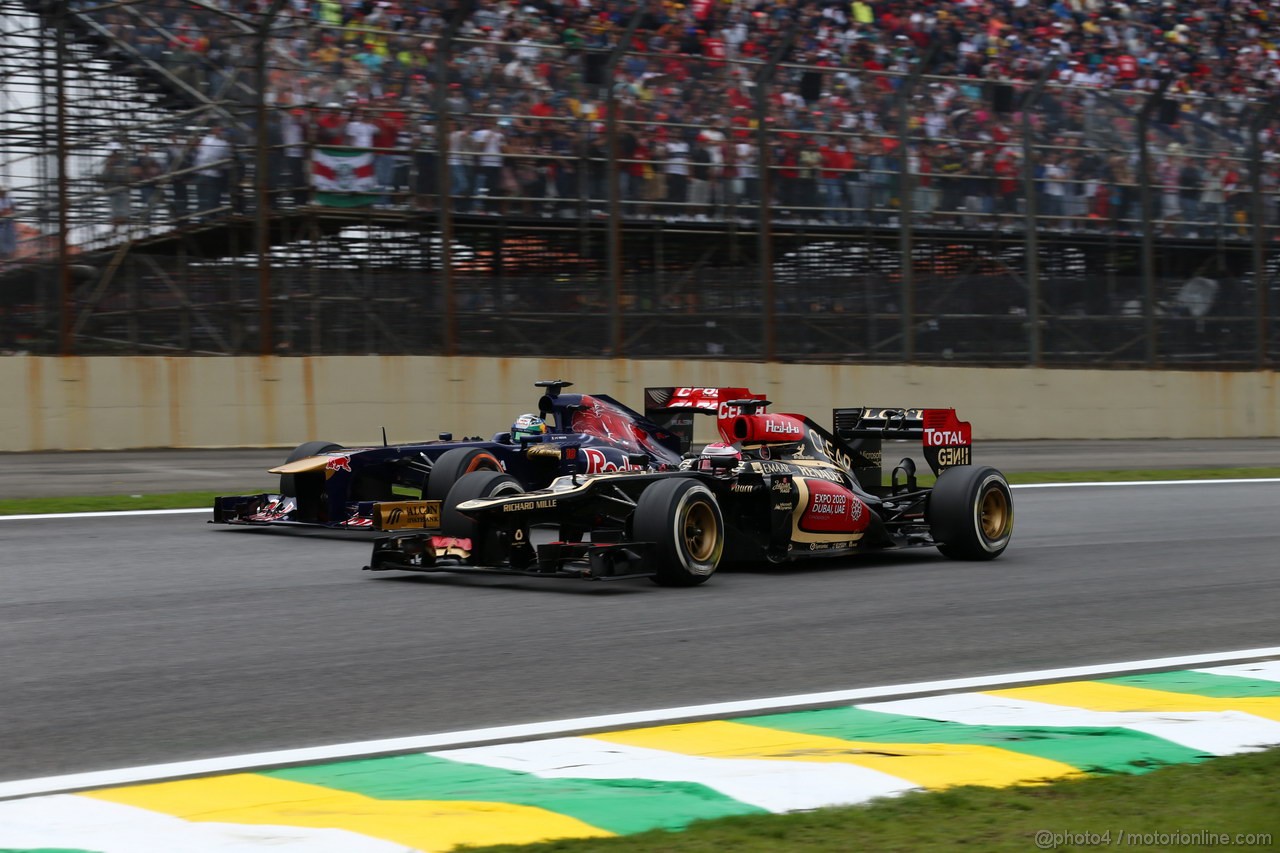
(779, 488)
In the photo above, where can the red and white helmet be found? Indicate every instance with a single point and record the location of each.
(719, 457)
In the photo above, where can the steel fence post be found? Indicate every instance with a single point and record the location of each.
(764, 79)
(444, 46)
(66, 342)
(1035, 334)
(1258, 212)
(906, 203)
(262, 224)
(1148, 222)
(615, 188)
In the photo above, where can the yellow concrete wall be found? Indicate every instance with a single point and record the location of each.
(116, 403)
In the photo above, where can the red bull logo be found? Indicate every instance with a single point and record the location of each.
(339, 463)
(600, 462)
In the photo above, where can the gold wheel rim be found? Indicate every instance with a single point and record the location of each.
(700, 532)
(995, 513)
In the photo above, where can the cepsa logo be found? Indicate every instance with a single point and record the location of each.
(829, 450)
(695, 398)
(339, 463)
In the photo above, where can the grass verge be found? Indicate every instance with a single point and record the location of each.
(111, 503)
(184, 500)
(1187, 807)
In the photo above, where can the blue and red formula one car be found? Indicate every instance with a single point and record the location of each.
(402, 486)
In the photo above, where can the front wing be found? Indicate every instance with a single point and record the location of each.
(273, 510)
(601, 561)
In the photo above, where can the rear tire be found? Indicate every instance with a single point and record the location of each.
(288, 486)
(682, 520)
(452, 465)
(970, 513)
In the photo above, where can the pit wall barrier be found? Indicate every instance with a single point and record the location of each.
(103, 403)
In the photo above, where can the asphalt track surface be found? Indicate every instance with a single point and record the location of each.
(149, 639)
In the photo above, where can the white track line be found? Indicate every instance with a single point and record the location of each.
(1268, 670)
(115, 514)
(529, 731)
(1226, 482)
(129, 512)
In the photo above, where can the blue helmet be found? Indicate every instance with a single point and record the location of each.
(526, 427)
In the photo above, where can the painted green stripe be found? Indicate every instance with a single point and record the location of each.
(1093, 750)
(621, 806)
(1200, 684)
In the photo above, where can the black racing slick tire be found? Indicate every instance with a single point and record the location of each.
(478, 484)
(970, 513)
(452, 465)
(288, 486)
(681, 520)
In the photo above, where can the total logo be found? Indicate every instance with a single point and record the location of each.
(944, 437)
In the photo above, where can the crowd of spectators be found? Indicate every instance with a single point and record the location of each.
(525, 88)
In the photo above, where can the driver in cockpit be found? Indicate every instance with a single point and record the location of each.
(528, 427)
(716, 458)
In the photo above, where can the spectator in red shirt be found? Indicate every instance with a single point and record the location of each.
(836, 161)
(388, 122)
(1007, 183)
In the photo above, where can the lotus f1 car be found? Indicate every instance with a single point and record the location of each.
(779, 488)
(402, 486)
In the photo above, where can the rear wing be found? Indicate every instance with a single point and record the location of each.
(946, 440)
(673, 407)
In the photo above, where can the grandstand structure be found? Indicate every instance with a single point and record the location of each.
(300, 178)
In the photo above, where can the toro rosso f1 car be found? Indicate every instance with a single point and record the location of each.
(402, 486)
(778, 488)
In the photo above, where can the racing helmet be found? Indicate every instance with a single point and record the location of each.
(527, 426)
(719, 458)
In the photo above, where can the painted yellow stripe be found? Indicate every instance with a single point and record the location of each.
(428, 825)
(930, 765)
(1101, 696)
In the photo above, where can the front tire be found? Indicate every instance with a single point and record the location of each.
(682, 521)
(288, 485)
(452, 465)
(970, 513)
(479, 484)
